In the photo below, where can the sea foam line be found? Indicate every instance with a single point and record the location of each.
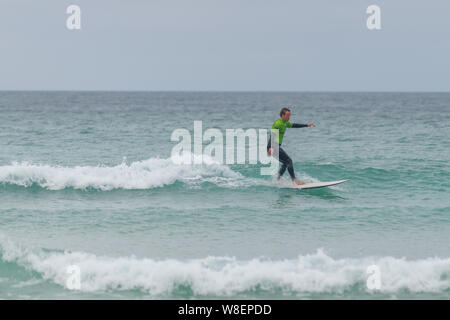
(227, 276)
(146, 174)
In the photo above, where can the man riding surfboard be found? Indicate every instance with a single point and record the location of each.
(277, 133)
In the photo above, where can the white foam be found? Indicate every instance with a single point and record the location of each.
(150, 173)
(225, 276)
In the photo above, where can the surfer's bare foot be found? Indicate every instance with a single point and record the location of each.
(298, 182)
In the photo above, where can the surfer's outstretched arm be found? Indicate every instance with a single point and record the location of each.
(302, 125)
(299, 125)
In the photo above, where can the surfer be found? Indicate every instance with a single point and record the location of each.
(281, 124)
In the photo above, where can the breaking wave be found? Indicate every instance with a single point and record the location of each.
(146, 174)
(315, 273)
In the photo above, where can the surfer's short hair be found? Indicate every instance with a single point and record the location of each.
(283, 111)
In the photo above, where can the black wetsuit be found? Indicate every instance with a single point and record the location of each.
(283, 156)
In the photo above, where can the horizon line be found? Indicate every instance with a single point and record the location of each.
(225, 91)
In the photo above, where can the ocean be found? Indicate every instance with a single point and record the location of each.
(87, 180)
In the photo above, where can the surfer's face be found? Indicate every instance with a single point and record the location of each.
(286, 116)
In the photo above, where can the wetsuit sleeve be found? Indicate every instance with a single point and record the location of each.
(299, 125)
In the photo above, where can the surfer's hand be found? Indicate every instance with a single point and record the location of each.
(311, 125)
(270, 151)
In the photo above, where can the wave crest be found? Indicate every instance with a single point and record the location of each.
(146, 174)
(227, 276)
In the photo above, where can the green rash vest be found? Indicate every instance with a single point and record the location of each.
(281, 125)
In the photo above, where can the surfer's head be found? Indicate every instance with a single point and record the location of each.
(285, 114)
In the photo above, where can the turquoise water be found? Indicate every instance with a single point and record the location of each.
(86, 179)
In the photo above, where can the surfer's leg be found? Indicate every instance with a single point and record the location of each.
(291, 169)
(287, 164)
(282, 170)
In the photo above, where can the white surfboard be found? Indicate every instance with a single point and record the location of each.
(313, 185)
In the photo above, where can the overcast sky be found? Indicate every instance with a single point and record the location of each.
(280, 45)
